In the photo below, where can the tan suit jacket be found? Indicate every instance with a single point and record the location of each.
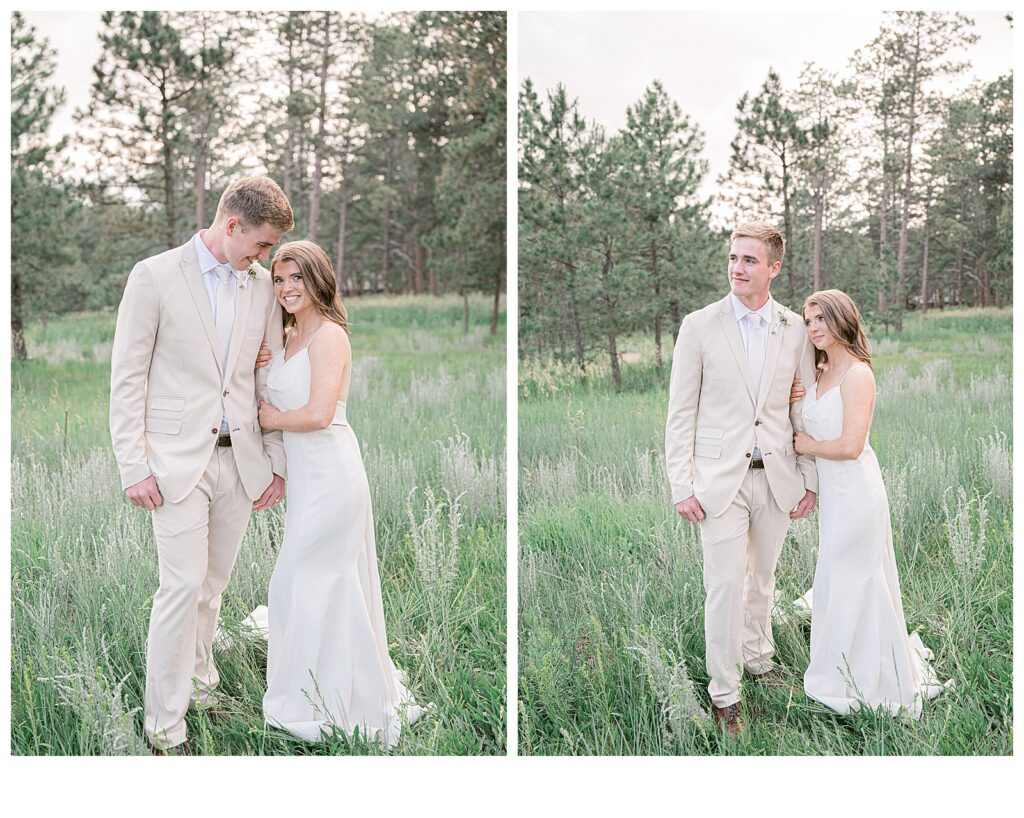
(167, 392)
(713, 412)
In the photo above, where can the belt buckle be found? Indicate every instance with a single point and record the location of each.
(757, 463)
(223, 441)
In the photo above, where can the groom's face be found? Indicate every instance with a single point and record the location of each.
(244, 245)
(750, 275)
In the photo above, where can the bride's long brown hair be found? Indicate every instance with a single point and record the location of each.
(318, 276)
(844, 322)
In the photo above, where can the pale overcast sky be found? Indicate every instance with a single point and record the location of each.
(73, 34)
(706, 60)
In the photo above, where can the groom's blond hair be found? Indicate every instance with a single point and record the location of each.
(774, 244)
(256, 200)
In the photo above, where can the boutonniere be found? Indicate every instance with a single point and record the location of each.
(781, 320)
(249, 274)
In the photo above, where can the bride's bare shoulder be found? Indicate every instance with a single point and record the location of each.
(332, 341)
(860, 378)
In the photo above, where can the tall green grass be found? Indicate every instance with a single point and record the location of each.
(427, 402)
(611, 639)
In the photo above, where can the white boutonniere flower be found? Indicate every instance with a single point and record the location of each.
(249, 274)
(781, 320)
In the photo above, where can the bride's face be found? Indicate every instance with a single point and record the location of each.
(290, 289)
(817, 329)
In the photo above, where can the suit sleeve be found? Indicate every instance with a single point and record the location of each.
(138, 319)
(273, 443)
(683, 399)
(804, 462)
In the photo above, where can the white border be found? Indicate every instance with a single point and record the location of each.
(481, 786)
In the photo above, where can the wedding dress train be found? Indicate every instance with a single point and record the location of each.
(860, 651)
(328, 662)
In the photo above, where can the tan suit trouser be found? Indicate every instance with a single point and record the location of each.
(741, 548)
(197, 542)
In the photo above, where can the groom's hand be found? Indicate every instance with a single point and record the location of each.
(145, 494)
(272, 496)
(690, 509)
(805, 506)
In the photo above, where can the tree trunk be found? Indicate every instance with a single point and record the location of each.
(959, 295)
(613, 354)
(465, 310)
(924, 254)
(386, 265)
(417, 281)
(819, 206)
(788, 226)
(432, 275)
(167, 149)
(497, 304)
(610, 310)
(657, 308)
(288, 162)
(200, 187)
(674, 310)
(340, 272)
(901, 257)
(171, 234)
(883, 305)
(318, 145)
(19, 349)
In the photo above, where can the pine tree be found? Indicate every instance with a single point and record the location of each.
(39, 203)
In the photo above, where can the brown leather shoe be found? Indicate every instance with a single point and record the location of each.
(731, 718)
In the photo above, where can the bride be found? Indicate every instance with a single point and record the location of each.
(860, 650)
(328, 663)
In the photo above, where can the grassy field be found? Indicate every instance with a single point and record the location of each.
(611, 639)
(427, 402)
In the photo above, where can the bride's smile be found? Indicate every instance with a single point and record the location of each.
(290, 288)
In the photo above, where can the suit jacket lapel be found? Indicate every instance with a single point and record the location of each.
(771, 360)
(731, 329)
(243, 298)
(194, 281)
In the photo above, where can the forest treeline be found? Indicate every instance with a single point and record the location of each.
(884, 186)
(387, 134)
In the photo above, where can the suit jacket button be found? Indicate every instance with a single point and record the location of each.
(756, 422)
(214, 431)
(748, 454)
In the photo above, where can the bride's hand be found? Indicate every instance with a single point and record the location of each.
(268, 416)
(802, 442)
(264, 357)
(797, 391)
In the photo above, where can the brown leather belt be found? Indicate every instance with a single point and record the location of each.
(225, 440)
(756, 464)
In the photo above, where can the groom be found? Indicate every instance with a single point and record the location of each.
(183, 421)
(730, 457)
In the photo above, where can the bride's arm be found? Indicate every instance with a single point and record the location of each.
(329, 355)
(858, 395)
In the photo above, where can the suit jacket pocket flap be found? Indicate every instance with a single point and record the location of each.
(705, 450)
(712, 432)
(167, 404)
(163, 425)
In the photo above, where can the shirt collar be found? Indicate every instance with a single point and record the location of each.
(742, 311)
(207, 260)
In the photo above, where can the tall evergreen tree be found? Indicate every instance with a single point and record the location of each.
(39, 204)
(769, 142)
(917, 48)
(661, 170)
